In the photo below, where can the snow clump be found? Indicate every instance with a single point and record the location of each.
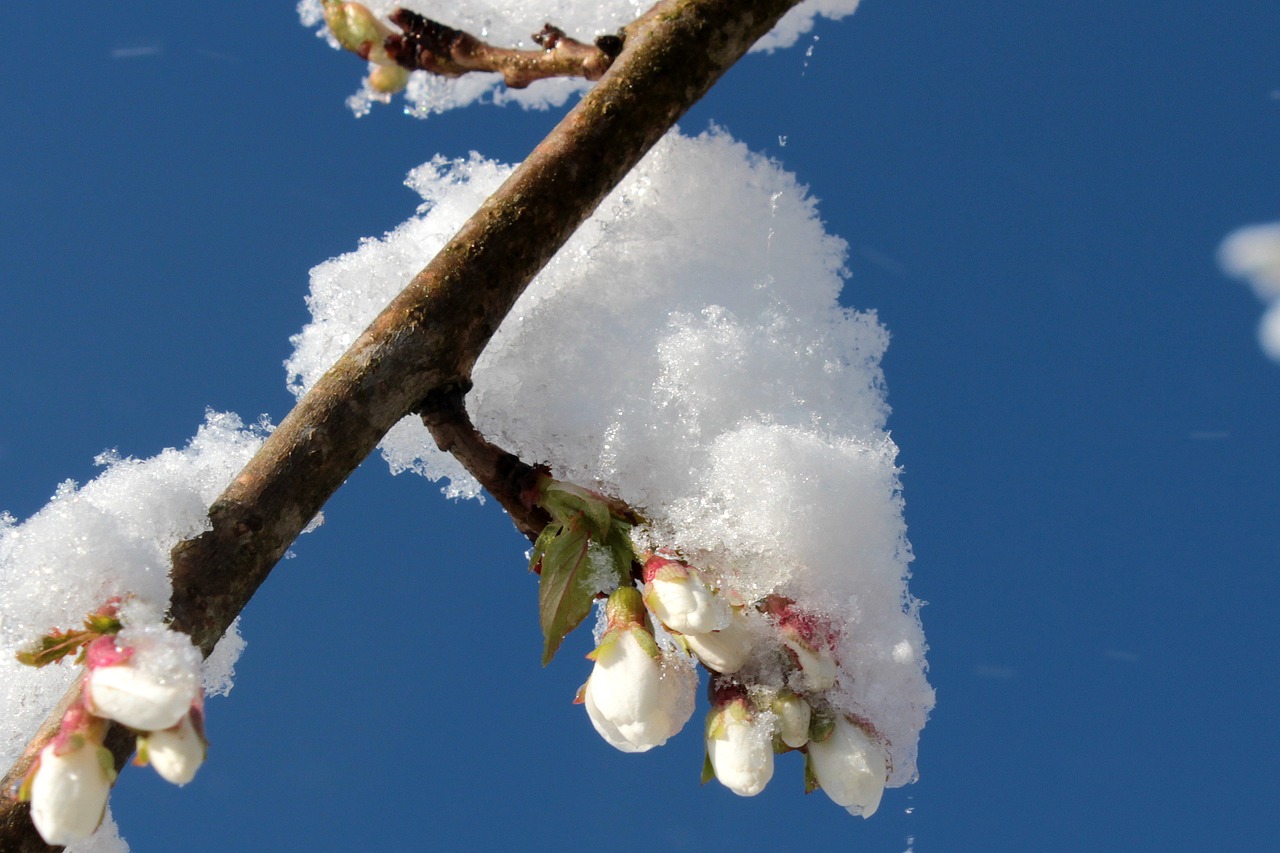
(686, 352)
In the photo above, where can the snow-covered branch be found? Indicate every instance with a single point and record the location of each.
(430, 336)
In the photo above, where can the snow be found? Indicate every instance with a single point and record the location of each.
(686, 352)
(110, 537)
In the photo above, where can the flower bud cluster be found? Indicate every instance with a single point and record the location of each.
(146, 678)
(773, 667)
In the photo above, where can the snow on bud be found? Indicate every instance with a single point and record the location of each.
(146, 678)
(70, 780)
(176, 753)
(739, 746)
(793, 715)
(850, 766)
(809, 641)
(726, 650)
(636, 697)
(677, 594)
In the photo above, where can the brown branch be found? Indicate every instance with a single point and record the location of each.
(509, 480)
(431, 334)
(428, 45)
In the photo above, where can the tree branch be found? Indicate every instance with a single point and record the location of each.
(431, 46)
(431, 334)
(510, 480)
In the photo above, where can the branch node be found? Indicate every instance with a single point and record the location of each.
(443, 403)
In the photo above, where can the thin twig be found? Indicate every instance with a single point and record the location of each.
(432, 46)
(431, 334)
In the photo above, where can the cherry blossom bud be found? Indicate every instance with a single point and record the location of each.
(739, 746)
(145, 678)
(70, 781)
(809, 641)
(677, 594)
(850, 766)
(176, 753)
(726, 650)
(636, 697)
(793, 715)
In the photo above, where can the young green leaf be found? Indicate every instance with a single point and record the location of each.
(53, 647)
(564, 595)
(810, 779)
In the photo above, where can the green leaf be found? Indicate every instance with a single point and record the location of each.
(821, 725)
(708, 772)
(97, 623)
(565, 500)
(564, 595)
(53, 647)
(810, 780)
(539, 547)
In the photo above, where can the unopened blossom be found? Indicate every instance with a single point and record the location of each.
(794, 715)
(70, 780)
(726, 650)
(850, 766)
(739, 746)
(146, 679)
(636, 697)
(176, 753)
(809, 641)
(678, 595)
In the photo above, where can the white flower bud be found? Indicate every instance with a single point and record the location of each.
(145, 678)
(850, 767)
(636, 697)
(69, 791)
(810, 641)
(678, 596)
(794, 715)
(176, 753)
(740, 748)
(726, 650)
(817, 666)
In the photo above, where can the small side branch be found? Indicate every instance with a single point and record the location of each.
(431, 46)
(511, 481)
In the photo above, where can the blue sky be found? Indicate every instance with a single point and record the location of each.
(1033, 193)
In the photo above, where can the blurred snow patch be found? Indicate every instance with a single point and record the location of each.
(1253, 254)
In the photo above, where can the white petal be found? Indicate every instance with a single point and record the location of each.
(69, 794)
(742, 756)
(633, 698)
(132, 697)
(850, 767)
(726, 650)
(176, 753)
(606, 729)
(686, 605)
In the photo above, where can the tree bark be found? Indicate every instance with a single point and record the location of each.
(426, 341)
